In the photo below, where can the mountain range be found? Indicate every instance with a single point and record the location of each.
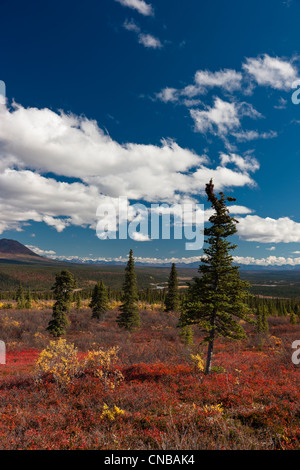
(12, 251)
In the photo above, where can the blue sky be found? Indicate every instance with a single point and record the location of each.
(149, 100)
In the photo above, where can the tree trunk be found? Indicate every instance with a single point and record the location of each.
(210, 352)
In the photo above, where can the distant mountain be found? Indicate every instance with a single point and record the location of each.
(13, 252)
(193, 265)
(13, 247)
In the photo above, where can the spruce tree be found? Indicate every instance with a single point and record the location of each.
(172, 298)
(129, 317)
(78, 302)
(262, 324)
(28, 300)
(218, 299)
(63, 293)
(293, 318)
(99, 302)
(20, 297)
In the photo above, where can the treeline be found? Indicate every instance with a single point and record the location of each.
(273, 306)
(150, 296)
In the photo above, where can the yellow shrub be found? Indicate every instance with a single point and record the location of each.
(215, 409)
(102, 365)
(198, 362)
(60, 360)
(8, 323)
(112, 413)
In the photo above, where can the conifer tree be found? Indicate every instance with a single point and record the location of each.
(293, 318)
(28, 300)
(218, 299)
(78, 302)
(63, 293)
(99, 302)
(129, 317)
(20, 297)
(262, 324)
(172, 297)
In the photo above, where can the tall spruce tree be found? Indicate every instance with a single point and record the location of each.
(20, 297)
(129, 317)
(99, 302)
(63, 293)
(172, 297)
(217, 299)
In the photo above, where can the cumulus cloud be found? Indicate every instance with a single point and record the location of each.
(223, 117)
(35, 142)
(273, 72)
(228, 80)
(139, 5)
(254, 228)
(246, 164)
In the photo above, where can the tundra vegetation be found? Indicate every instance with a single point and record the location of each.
(208, 367)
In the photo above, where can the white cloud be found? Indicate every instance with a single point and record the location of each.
(228, 80)
(272, 248)
(150, 41)
(240, 260)
(246, 164)
(223, 117)
(219, 119)
(140, 237)
(139, 5)
(255, 228)
(246, 136)
(41, 252)
(39, 141)
(270, 261)
(271, 71)
(168, 95)
(147, 40)
(131, 26)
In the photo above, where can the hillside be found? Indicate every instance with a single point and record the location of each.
(13, 252)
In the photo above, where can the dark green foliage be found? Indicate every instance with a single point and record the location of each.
(293, 318)
(99, 302)
(262, 324)
(77, 299)
(20, 297)
(63, 293)
(216, 300)
(28, 300)
(186, 335)
(172, 297)
(129, 317)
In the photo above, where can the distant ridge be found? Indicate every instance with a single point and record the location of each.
(13, 247)
(13, 252)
